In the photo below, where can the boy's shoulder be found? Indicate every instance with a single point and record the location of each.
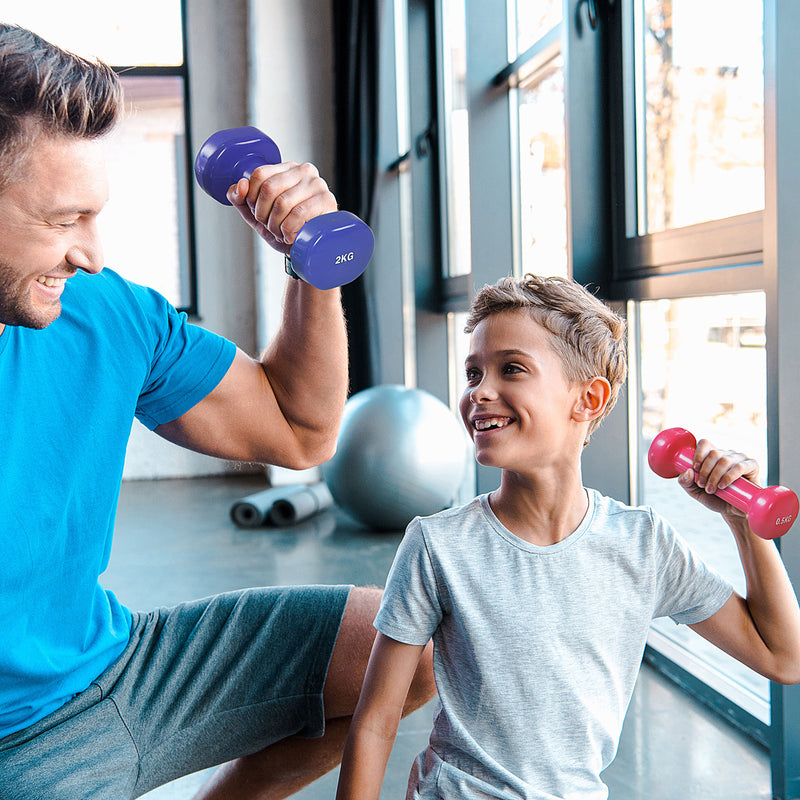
(610, 511)
(451, 520)
(612, 506)
(473, 507)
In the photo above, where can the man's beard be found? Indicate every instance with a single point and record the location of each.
(16, 307)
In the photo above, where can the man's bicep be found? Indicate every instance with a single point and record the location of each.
(238, 420)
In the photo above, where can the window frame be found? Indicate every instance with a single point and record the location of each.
(188, 270)
(731, 247)
(722, 256)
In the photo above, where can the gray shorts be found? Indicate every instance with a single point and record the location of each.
(198, 685)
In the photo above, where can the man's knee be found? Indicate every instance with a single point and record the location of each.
(351, 652)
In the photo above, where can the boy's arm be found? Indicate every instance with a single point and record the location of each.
(763, 629)
(374, 727)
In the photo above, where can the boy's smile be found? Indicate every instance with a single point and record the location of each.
(517, 406)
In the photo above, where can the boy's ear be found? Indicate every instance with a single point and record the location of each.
(593, 399)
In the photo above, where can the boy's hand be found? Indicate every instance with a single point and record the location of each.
(717, 469)
(279, 199)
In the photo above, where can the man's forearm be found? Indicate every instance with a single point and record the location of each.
(306, 365)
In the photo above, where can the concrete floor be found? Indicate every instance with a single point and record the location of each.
(175, 541)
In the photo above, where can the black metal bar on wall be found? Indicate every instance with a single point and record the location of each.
(355, 30)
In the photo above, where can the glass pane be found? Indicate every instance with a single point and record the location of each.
(702, 112)
(542, 163)
(144, 226)
(456, 155)
(534, 20)
(458, 350)
(695, 353)
(144, 33)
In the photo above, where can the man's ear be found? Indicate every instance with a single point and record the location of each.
(593, 400)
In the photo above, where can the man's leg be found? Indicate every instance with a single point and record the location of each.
(287, 766)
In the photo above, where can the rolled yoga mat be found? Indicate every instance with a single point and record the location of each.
(253, 511)
(297, 506)
(281, 505)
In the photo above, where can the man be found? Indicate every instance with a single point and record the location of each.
(97, 702)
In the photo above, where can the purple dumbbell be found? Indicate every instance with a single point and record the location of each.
(330, 250)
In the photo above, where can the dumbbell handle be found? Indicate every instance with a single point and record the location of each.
(770, 511)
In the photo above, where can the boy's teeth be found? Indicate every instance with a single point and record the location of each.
(494, 422)
(51, 281)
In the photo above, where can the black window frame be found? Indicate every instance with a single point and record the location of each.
(189, 269)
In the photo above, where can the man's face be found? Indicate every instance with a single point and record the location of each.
(48, 228)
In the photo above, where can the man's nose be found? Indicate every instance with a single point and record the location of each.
(87, 252)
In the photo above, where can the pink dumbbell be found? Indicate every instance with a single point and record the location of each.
(770, 512)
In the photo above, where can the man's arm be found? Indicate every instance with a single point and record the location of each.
(763, 629)
(374, 727)
(285, 408)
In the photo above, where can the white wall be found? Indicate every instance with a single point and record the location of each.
(267, 63)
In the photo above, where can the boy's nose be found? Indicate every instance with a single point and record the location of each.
(482, 392)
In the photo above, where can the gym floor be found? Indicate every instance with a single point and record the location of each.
(174, 541)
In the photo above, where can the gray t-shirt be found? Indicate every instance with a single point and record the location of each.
(536, 649)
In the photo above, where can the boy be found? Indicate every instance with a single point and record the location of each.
(539, 596)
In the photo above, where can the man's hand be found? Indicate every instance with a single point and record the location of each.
(278, 199)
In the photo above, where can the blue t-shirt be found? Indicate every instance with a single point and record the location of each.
(68, 396)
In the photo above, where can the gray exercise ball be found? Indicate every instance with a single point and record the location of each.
(401, 453)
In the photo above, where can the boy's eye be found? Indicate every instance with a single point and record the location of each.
(472, 374)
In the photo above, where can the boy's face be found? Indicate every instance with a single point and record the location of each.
(518, 406)
(48, 228)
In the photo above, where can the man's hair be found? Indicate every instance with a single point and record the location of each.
(45, 90)
(586, 334)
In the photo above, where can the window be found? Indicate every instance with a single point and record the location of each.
(534, 20)
(542, 170)
(694, 352)
(701, 113)
(693, 148)
(691, 262)
(535, 75)
(455, 151)
(147, 224)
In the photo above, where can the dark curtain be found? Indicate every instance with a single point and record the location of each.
(355, 29)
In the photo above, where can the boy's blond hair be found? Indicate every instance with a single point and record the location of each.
(586, 334)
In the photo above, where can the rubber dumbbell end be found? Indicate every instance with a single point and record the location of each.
(229, 155)
(671, 452)
(332, 249)
(773, 512)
